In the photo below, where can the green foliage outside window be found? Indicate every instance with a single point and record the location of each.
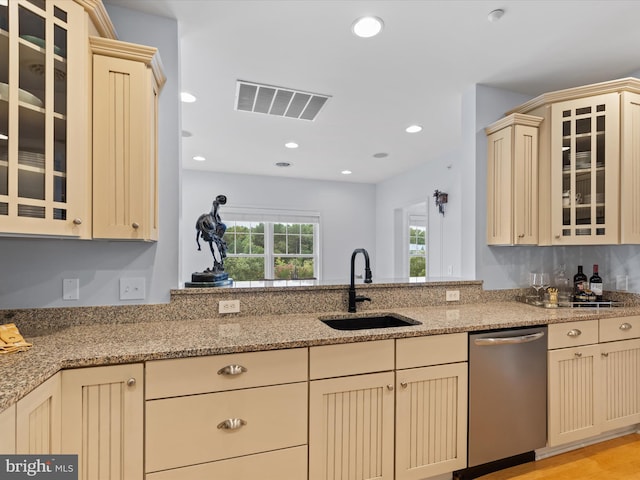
(293, 250)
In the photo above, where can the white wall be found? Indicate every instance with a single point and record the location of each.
(443, 232)
(347, 214)
(33, 268)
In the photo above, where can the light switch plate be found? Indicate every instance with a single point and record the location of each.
(132, 288)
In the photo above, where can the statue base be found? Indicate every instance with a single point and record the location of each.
(209, 279)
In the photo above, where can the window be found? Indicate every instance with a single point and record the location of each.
(417, 247)
(271, 250)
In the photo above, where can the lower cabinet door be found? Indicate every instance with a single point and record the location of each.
(38, 419)
(351, 427)
(431, 421)
(8, 429)
(184, 431)
(286, 464)
(574, 392)
(102, 421)
(621, 383)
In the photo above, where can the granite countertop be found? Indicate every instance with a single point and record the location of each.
(108, 344)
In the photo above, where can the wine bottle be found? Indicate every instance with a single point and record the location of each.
(579, 283)
(595, 284)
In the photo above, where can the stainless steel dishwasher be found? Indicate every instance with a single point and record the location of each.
(507, 398)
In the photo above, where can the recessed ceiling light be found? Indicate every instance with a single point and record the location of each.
(413, 129)
(187, 97)
(495, 15)
(346, 172)
(291, 145)
(366, 27)
(380, 155)
(283, 164)
(3, 136)
(199, 158)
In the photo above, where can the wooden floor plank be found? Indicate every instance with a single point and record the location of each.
(611, 460)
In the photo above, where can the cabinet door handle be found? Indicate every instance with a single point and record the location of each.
(403, 384)
(135, 225)
(390, 387)
(574, 332)
(131, 382)
(232, 370)
(605, 354)
(232, 424)
(578, 354)
(521, 235)
(77, 221)
(625, 326)
(558, 237)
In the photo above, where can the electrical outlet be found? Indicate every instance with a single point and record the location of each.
(70, 289)
(132, 288)
(452, 296)
(452, 315)
(228, 306)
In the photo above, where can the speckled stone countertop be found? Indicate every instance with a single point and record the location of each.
(108, 344)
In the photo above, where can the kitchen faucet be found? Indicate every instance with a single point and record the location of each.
(353, 298)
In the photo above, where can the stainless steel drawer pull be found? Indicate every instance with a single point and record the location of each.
(232, 370)
(625, 326)
(574, 333)
(232, 424)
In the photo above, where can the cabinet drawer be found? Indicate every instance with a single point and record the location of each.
(432, 350)
(185, 431)
(619, 328)
(286, 464)
(572, 334)
(187, 376)
(351, 359)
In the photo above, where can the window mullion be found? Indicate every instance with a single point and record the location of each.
(268, 250)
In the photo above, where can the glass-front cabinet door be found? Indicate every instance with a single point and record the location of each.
(585, 166)
(43, 124)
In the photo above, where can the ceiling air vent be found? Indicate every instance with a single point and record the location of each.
(283, 102)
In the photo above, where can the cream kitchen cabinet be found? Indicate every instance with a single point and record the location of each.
(351, 411)
(585, 170)
(102, 420)
(594, 378)
(512, 180)
(8, 429)
(234, 416)
(588, 167)
(431, 405)
(38, 417)
(43, 118)
(358, 405)
(78, 132)
(127, 79)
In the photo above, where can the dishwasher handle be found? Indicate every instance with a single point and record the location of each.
(532, 337)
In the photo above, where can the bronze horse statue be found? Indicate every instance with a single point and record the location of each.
(209, 226)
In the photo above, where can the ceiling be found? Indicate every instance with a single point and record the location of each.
(415, 72)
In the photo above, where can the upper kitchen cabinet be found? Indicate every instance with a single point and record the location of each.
(127, 79)
(43, 140)
(588, 165)
(78, 124)
(512, 180)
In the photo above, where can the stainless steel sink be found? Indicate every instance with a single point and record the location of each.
(362, 323)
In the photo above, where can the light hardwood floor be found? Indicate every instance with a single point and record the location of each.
(615, 459)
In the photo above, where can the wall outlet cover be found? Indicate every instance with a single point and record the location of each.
(132, 288)
(452, 296)
(228, 306)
